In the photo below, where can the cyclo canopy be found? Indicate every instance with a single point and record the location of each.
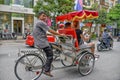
(78, 15)
(73, 16)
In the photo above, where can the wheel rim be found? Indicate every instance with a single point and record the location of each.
(26, 70)
(56, 54)
(66, 61)
(86, 64)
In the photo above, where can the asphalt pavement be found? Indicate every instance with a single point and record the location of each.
(107, 67)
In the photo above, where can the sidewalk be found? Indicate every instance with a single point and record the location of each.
(18, 40)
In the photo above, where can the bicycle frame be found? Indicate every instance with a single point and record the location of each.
(78, 57)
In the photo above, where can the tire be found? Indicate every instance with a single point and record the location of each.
(29, 70)
(118, 39)
(86, 63)
(56, 51)
(99, 48)
(66, 60)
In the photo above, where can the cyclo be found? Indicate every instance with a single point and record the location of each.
(30, 65)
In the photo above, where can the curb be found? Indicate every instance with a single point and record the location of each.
(12, 41)
(19, 40)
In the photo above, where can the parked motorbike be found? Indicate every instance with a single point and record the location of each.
(14, 36)
(101, 45)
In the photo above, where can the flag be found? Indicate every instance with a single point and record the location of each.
(78, 5)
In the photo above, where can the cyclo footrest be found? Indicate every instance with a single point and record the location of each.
(27, 51)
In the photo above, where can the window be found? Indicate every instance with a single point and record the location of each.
(119, 1)
(28, 3)
(111, 4)
(7, 2)
(17, 15)
(25, 3)
(86, 2)
(5, 22)
(106, 1)
(18, 2)
(102, 2)
(29, 19)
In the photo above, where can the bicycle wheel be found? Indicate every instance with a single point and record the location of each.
(66, 60)
(86, 63)
(29, 67)
(56, 54)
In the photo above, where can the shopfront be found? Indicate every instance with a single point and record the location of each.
(16, 17)
(5, 22)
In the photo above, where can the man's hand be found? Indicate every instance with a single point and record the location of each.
(62, 35)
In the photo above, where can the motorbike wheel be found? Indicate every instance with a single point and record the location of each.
(99, 48)
(118, 39)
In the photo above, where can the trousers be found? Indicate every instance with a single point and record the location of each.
(107, 42)
(49, 55)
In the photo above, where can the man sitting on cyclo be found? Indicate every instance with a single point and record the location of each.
(40, 39)
(80, 37)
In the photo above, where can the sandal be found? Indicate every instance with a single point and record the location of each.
(48, 74)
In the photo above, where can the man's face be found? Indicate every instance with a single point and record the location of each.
(43, 17)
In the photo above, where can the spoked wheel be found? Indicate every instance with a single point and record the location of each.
(56, 54)
(29, 67)
(86, 63)
(56, 51)
(66, 60)
(99, 48)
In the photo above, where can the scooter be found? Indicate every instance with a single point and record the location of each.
(101, 45)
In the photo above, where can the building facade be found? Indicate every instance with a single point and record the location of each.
(16, 15)
(119, 1)
(103, 4)
(106, 4)
(88, 3)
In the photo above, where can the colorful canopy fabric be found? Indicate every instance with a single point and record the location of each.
(78, 15)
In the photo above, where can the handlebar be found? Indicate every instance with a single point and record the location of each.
(66, 36)
(63, 38)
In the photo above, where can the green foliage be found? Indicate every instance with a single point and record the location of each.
(114, 14)
(102, 16)
(54, 7)
(1, 1)
(93, 36)
(95, 6)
